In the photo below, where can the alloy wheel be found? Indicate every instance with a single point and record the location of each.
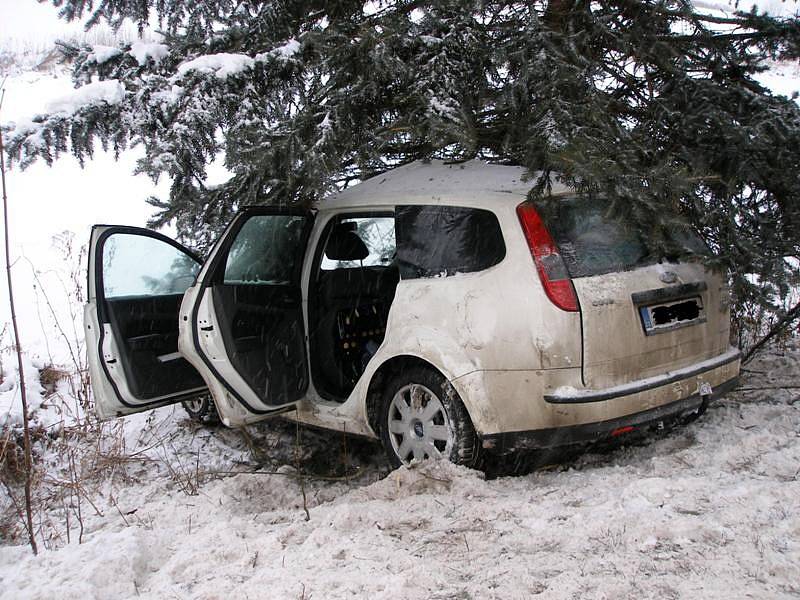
(418, 424)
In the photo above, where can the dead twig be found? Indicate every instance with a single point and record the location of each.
(297, 466)
(783, 323)
(17, 508)
(181, 476)
(432, 478)
(345, 458)
(25, 425)
(73, 479)
(301, 476)
(255, 451)
(115, 504)
(768, 387)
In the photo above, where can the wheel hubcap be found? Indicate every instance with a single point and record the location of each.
(195, 405)
(419, 427)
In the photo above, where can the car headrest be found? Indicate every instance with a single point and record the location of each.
(344, 244)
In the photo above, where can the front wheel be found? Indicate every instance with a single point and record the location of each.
(422, 417)
(201, 409)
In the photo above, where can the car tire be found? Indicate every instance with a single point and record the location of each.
(202, 409)
(422, 416)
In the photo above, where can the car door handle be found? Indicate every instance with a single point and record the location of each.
(209, 328)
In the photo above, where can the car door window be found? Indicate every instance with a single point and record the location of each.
(265, 251)
(140, 281)
(138, 265)
(377, 233)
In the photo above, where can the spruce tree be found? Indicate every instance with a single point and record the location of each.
(651, 106)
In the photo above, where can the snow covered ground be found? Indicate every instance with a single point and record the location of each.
(709, 510)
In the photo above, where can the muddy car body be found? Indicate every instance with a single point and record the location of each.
(430, 306)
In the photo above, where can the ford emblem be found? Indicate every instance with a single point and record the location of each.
(668, 277)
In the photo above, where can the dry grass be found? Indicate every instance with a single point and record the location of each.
(50, 376)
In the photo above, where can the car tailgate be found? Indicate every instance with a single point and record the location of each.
(649, 320)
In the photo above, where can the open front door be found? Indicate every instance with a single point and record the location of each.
(242, 324)
(137, 279)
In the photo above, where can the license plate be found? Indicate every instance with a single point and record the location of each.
(668, 316)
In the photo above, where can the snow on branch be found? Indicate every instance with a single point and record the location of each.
(75, 116)
(143, 51)
(222, 65)
(285, 52)
(109, 91)
(101, 54)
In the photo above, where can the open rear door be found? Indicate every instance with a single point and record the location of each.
(242, 323)
(137, 279)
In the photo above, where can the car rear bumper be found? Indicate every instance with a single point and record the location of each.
(592, 432)
(573, 396)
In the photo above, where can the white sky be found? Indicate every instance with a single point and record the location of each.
(27, 24)
(27, 20)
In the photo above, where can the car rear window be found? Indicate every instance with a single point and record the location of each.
(439, 241)
(593, 242)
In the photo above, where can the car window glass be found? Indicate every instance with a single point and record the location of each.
(440, 241)
(140, 265)
(592, 241)
(378, 236)
(267, 249)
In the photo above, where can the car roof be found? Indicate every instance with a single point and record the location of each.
(470, 183)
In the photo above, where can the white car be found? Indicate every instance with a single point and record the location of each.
(432, 307)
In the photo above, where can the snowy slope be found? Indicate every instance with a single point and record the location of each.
(707, 511)
(782, 78)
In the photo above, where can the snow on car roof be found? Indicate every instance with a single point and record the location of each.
(436, 182)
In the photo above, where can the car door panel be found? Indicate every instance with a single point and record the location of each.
(244, 327)
(147, 331)
(261, 328)
(136, 283)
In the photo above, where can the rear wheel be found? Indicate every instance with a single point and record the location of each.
(422, 417)
(201, 409)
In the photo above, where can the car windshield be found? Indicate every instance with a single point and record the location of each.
(593, 242)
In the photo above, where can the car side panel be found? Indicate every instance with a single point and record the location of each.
(499, 318)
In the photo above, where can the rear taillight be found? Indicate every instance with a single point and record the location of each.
(552, 270)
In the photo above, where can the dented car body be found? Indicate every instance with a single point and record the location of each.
(432, 307)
